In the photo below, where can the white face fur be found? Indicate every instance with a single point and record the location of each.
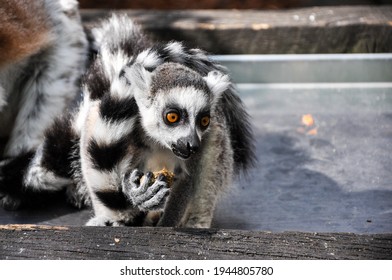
(177, 114)
(176, 117)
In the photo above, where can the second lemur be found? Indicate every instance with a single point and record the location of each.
(146, 107)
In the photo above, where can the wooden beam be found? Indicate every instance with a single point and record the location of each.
(347, 29)
(45, 242)
(200, 4)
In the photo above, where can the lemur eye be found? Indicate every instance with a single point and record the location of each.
(172, 117)
(205, 121)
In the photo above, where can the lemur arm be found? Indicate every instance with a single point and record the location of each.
(213, 175)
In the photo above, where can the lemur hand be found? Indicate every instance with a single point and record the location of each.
(145, 194)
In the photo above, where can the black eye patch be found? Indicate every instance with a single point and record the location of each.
(203, 119)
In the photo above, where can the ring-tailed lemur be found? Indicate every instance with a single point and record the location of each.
(43, 52)
(146, 106)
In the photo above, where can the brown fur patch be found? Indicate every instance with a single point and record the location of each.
(24, 29)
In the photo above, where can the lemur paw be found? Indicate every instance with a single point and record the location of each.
(145, 194)
(196, 224)
(9, 203)
(102, 221)
(6, 201)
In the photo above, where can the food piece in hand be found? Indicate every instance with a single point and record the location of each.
(168, 175)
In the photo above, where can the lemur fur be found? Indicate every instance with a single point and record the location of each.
(146, 106)
(43, 51)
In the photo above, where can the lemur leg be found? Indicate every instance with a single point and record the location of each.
(214, 177)
(50, 79)
(192, 201)
(179, 199)
(11, 182)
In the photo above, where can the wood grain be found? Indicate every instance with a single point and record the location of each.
(38, 242)
(190, 4)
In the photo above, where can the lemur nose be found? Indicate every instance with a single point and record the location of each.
(192, 147)
(186, 146)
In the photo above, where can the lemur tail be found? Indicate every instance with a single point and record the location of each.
(241, 133)
(33, 178)
(119, 32)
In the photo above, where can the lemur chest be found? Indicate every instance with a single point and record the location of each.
(158, 159)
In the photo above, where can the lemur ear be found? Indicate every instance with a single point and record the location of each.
(217, 82)
(138, 76)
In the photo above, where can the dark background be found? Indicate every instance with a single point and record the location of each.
(220, 4)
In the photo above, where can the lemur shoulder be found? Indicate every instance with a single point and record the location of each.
(145, 106)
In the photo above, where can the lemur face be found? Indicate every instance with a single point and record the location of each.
(181, 117)
(176, 105)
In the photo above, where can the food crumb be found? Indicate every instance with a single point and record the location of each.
(312, 132)
(308, 120)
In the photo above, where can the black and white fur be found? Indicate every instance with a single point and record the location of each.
(120, 133)
(44, 51)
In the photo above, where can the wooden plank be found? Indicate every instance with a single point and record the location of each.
(347, 29)
(200, 4)
(45, 242)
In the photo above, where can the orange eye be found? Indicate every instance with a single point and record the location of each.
(205, 121)
(172, 117)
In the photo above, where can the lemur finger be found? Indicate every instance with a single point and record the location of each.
(157, 201)
(154, 189)
(147, 180)
(135, 177)
(155, 197)
(130, 184)
(162, 177)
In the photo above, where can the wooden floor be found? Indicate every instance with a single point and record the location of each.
(45, 242)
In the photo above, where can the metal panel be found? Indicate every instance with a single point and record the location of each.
(330, 175)
(320, 68)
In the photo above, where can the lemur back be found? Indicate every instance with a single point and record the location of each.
(147, 106)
